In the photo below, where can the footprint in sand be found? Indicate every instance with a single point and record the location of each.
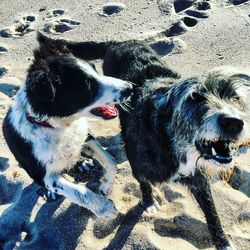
(168, 46)
(4, 163)
(21, 27)
(29, 18)
(237, 2)
(202, 5)
(189, 21)
(3, 49)
(55, 13)
(180, 5)
(61, 26)
(3, 71)
(9, 89)
(191, 11)
(185, 227)
(175, 29)
(113, 8)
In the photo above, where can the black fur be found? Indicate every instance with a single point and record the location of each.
(21, 149)
(43, 128)
(148, 144)
(54, 80)
(148, 140)
(88, 50)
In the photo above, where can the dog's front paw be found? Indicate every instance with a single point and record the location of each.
(151, 207)
(103, 207)
(150, 204)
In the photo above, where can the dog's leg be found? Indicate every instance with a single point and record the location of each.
(200, 188)
(81, 195)
(94, 150)
(149, 203)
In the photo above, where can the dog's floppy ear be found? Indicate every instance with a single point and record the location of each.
(52, 46)
(42, 39)
(41, 86)
(160, 99)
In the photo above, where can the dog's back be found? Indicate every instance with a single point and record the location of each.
(135, 61)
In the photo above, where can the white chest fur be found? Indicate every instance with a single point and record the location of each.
(64, 148)
(188, 168)
(57, 149)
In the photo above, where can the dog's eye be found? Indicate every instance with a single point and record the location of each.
(196, 98)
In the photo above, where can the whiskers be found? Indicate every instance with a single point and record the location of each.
(126, 105)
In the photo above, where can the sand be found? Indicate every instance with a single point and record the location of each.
(191, 36)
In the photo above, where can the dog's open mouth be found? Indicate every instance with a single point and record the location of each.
(221, 152)
(106, 112)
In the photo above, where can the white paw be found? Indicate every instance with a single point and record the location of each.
(151, 209)
(154, 207)
(103, 207)
(86, 165)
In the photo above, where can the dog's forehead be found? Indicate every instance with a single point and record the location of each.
(72, 68)
(227, 78)
(213, 85)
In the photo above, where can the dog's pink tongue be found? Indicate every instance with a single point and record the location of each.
(106, 112)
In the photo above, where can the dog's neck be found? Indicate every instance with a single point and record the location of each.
(38, 122)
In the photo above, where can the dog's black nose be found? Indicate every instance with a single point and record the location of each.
(231, 125)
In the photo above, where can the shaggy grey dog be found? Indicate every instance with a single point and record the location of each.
(175, 130)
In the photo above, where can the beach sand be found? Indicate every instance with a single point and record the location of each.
(191, 36)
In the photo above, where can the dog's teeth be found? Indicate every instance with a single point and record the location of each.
(213, 151)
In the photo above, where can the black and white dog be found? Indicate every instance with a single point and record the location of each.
(46, 127)
(175, 130)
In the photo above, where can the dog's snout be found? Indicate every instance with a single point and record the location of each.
(231, 125)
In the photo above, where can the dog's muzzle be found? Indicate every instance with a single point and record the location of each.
(221, 151)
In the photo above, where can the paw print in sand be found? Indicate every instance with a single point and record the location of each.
(20, 28)
(59, 25)
(189, 12)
